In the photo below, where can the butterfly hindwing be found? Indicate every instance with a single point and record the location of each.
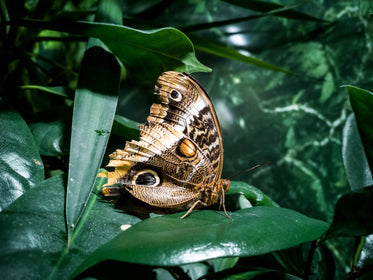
(185, 98)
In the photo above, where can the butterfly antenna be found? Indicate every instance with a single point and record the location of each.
(248, 170)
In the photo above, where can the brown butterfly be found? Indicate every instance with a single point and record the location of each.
(177, 163)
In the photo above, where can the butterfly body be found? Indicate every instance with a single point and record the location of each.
(177, 162)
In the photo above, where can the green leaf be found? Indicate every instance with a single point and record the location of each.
(32, 230)
(221, 264)
(59, 91)
(328, 87)
(93, 114)
(145, 54)
(188, 271)
(214, 48)
(353, 215)
(354, 158)
(364, 259)
(169, 241)
(51, 137)
(254, 195)
(362, 103)
(33, 233)
(123, 126)
(21, 165)
(94, 108)
(262, 6)
(140, 6)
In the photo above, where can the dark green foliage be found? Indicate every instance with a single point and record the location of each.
(209, 235)
(76, 79)
(21, 165)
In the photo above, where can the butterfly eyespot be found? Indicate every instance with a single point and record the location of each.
(146, 177)
(175, 95)
(187, 148)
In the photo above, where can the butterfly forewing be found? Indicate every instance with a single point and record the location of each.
(197, 117)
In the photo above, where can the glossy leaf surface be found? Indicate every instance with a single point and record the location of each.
(203, 235)
(21, 165)
(362, 103)
(365, 260)
(51, 137)
(145, 54)
(94, 109)
(354, 158)
(93, 114)
(34, 234)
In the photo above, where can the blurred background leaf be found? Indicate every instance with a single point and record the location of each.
(353, 214)
(262, 6)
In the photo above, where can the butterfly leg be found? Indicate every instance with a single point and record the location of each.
(222, 203)
(193, 206)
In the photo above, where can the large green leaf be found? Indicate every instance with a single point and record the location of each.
(354, 158)
(21, 165)
(94, 110)
(353, 215)
(203, 235)
(145, 54)
(362, 103)
(33, 233)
